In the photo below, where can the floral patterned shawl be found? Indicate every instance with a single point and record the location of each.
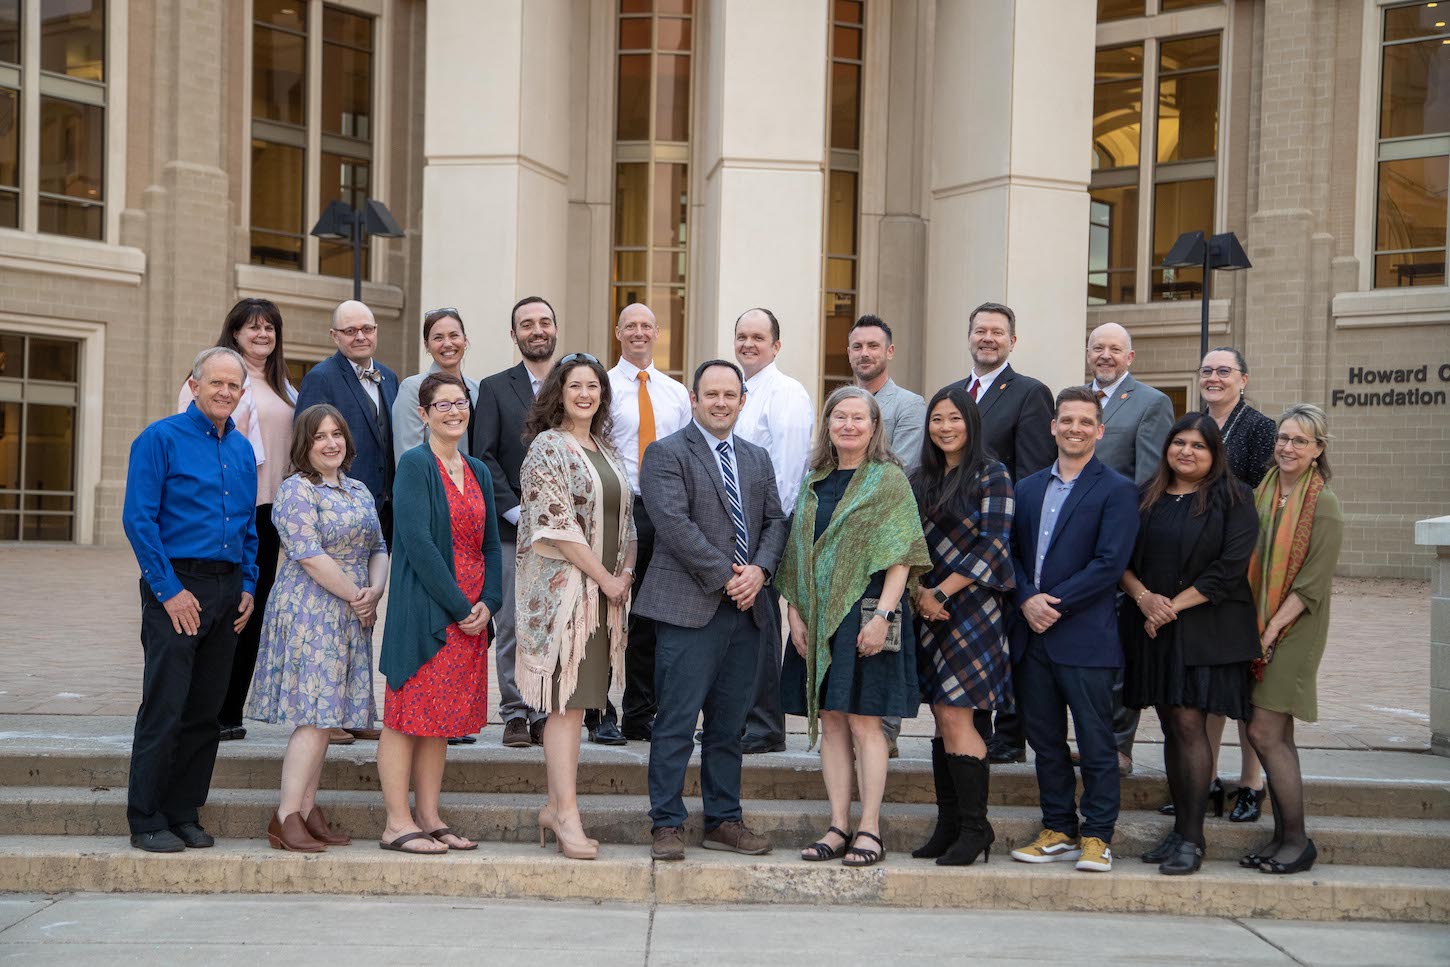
(557, 605)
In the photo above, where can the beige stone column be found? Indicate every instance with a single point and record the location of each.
(496, 158)
(1012, 131)
(761, 137)
(1435, 534)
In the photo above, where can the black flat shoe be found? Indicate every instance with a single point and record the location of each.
(1303, 864)
(1248, 806)
(1185, 859)
(193, 835)
(230, 733)
(1166, 847)
(463, 740)
(158, 841)
(1004, 754)
(607, 733)
(1216, 795)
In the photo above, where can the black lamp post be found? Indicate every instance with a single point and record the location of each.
(341, 222)
(1221, 252)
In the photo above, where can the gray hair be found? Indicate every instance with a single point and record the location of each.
(1311, 418)
(207, 355)
(823, 453)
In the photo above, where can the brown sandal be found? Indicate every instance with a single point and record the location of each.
(397, 845)
(438, 834)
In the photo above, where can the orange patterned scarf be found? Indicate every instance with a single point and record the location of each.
(1282, 548)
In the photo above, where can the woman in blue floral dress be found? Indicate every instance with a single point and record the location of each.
(314, 669)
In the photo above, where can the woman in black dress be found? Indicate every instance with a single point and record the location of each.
(1190, 639)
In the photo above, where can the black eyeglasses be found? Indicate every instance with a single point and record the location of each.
(585, 357)
(1222, 372)
(444, 406)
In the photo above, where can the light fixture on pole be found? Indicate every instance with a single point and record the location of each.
(1222, 252)
(341, 222)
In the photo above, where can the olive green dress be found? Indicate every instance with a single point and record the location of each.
(593, 687)
(1290, 680)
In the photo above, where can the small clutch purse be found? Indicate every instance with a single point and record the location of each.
(893, 628)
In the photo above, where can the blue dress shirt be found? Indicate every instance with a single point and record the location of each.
(1053, 498)
(191, 493)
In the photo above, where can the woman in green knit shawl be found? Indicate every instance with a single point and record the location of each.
(855, 543)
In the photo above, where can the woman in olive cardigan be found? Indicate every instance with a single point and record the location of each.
(446, 585)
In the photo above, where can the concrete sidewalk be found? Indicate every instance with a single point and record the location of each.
(119, 931)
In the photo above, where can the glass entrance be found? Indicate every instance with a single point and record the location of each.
(38, 418)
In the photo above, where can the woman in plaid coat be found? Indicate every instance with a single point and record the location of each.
(966, 504)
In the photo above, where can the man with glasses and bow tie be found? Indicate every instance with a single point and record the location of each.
(363, 391)
(719, 535)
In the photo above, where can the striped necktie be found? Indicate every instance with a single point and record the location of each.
(737, 515)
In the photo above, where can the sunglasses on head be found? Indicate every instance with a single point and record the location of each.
(579, 357)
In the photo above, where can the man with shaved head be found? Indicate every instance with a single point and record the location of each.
(647, 406)
(1136, 421)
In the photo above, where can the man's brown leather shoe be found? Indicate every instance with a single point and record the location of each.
(736, 837)
(516, 733)
(667, 844)
(340, 737)
(322, 830)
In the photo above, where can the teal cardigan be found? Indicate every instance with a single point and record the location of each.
(424, 598)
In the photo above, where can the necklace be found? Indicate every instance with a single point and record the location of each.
(1233, 419)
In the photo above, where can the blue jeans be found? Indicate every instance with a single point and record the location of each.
(709, 669)
(1047, 692)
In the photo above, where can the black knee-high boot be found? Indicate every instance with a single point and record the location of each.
(947, 812)
(971, 777)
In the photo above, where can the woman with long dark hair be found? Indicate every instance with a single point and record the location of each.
(966, 504)
(1191, 636)
(253, 328)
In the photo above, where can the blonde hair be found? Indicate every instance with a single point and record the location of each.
(823, 453)
(1311, 418)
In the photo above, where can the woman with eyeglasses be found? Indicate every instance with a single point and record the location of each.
(576, 552)
(1248, 442)
(253, 328)
(446, 342)
(1292, 574)
(446, 584)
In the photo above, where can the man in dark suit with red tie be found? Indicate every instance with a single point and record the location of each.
(1017, 429)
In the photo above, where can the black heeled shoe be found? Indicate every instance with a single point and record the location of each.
(1303, 864)
(1185, 859)
(1216, 796)
(1248, 806)
(1165, 848)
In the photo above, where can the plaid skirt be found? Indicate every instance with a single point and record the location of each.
(963, 661)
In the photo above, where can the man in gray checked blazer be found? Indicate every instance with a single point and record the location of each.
(719, 535)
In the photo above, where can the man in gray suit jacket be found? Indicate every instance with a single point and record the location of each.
(719, 535)
(1136, 421)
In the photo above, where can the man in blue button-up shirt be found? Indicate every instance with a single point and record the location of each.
(191, 491)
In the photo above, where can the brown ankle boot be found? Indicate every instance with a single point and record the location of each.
(291, 834)
(322, 830)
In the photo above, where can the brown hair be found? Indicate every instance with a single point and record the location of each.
(433, 382)
(1077, 394)
(309, 421)
(242, 314)
(548, 410)
(432, 317)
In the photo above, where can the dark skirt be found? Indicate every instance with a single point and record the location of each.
(1156, 676)
(884, 684)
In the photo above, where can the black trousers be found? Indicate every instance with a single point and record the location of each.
(765, 724)
(640, 702)
(174, 747)
(244, 662)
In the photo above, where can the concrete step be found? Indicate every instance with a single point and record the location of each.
(61, 864)
(623, 820)
(785, 776)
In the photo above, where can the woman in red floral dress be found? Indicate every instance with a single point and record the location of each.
(446, 584)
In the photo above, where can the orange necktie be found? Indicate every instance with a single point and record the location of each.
(646, 414)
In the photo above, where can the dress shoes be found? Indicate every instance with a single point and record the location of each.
(291, 834)
(371, 735)
(607, 733)
(536, 732)
(516, 733)
(1186, 858)
(193, 835)
(1248, 806)
(230, 733)
(462, 740)
(322, 831)
(340, 737)
(1000, 753)
(1166, 847)
(667, 844)
(733, 836)
(158, 841)
(636, 732)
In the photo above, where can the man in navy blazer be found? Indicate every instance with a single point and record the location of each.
(363, 391)
(1071, 539)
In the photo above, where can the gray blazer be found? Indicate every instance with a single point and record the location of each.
(903, 418)
(1136, 422)
(681, 485)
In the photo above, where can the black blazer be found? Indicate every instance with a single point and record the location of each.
(1215, 548)
(1017, 422)
(504, 401)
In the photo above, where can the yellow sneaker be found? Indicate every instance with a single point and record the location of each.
(1050, 846)
(1097, 857)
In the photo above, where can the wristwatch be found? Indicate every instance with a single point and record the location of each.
(889, 616)
(940, 595)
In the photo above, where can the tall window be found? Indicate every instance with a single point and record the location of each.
(1176, 172)
(1413, 159)
(652, 170)
(291, 148)
(59, 105)
(843, 190)
(38, 396)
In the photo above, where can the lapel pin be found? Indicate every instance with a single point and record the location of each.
(1123, 397)
(1002, 387)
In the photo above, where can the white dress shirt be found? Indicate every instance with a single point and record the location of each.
(369, 387)
(986, 381)
(668, 397)
(779, 417)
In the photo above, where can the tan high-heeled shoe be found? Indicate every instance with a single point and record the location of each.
(574, 849)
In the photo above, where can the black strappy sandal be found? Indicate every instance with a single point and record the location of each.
(819, 852)
(869, 857)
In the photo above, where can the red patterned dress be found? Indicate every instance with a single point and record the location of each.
(449, 695)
